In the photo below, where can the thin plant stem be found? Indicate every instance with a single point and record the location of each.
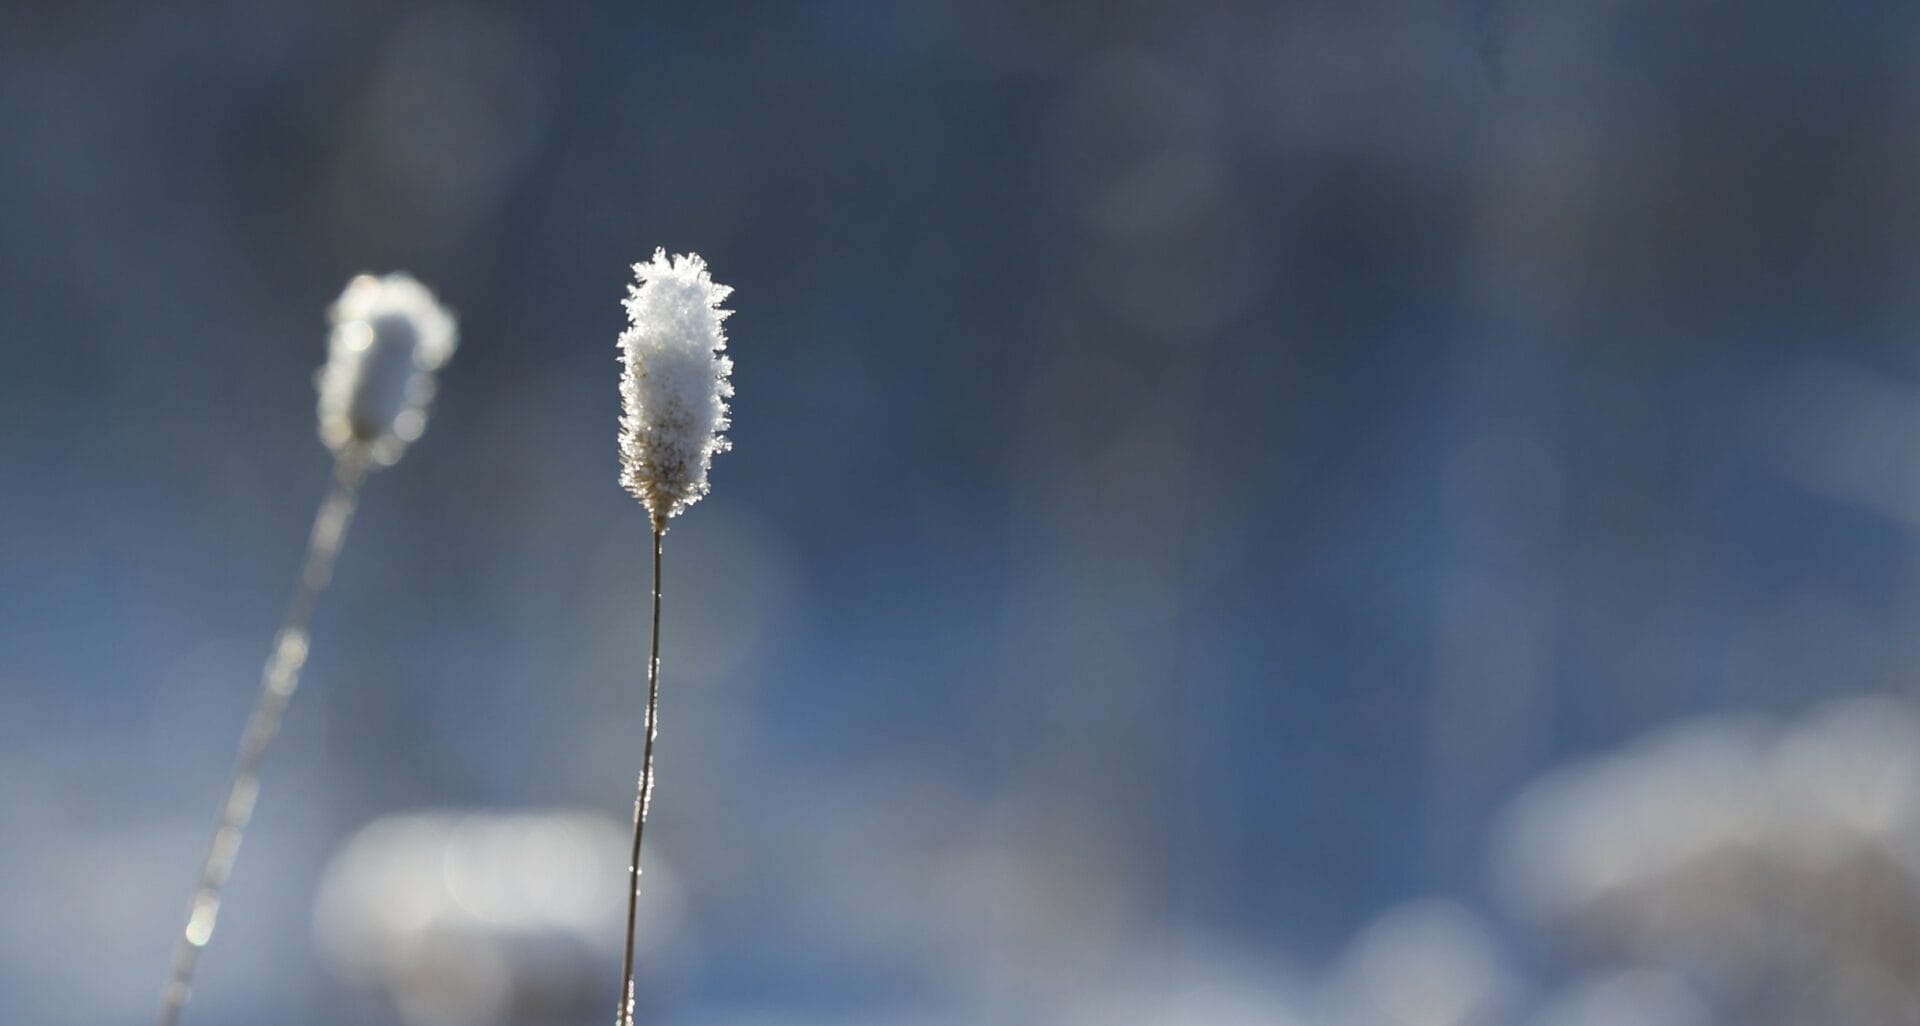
(278, 679)
(643, 798)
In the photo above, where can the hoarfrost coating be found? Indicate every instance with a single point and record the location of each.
(389, 337)
(674, 388)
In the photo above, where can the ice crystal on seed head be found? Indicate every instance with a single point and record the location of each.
(389, 337)
(674, 388)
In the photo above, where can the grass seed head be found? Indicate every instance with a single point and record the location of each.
(675, 383)
(389, 337)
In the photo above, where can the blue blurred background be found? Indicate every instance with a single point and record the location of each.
(1194, 465)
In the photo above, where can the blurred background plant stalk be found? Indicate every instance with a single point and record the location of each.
(278, 680)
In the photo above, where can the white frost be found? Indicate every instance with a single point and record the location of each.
(675, 385)
(389, 337)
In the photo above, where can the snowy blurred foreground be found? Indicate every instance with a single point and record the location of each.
(1726, 871)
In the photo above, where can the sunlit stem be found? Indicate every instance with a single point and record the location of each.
(278, 679)
(643, 797)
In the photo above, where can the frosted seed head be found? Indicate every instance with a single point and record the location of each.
(674, 386)
(389, 337)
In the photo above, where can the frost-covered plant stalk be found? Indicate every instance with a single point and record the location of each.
(673, 406)
(389, 337)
